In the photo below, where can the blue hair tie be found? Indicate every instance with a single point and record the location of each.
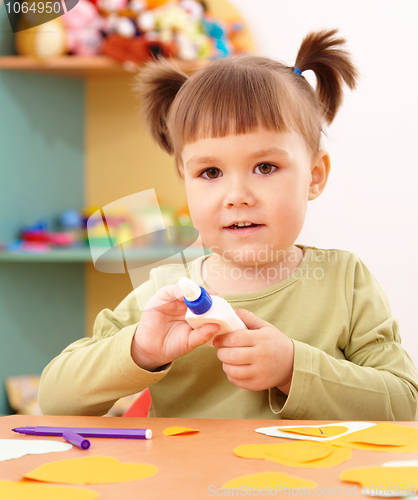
(297, 71)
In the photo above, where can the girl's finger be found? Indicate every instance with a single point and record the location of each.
(239, 338)
(164, 295)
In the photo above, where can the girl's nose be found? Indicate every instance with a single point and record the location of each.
(238, 193)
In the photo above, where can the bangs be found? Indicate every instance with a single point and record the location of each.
(239, 95)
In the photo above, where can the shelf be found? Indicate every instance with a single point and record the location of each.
(80, 67)
(83, 255)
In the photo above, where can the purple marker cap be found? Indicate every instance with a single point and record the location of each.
(77, 440)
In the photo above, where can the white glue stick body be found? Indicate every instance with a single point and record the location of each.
(203, 308)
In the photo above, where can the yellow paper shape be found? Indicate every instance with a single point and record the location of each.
(301, 451)
(390, 438)
(383, 435)
(270, 481)
(24, 490)
(384, 479)
(307, 454)
(91, 470)
(338, 456)
(322, 432)
(176, 431)
(409, 448)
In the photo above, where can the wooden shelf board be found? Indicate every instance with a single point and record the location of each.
(81, 67)
(83, 255)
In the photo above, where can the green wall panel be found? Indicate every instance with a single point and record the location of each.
(41, 311)
(41, 174)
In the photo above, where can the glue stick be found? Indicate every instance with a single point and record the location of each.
(203, 308)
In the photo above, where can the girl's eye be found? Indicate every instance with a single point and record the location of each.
(266, 168)
(210, 173)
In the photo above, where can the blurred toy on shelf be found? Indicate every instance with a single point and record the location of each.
(40, 39)
(132, 51)
(113, 225)
(39, 238)
(72, 222)
(131, 32)
(84, 27)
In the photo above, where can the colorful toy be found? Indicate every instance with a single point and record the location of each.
(135, 50)
(43, 41)
(130, 31)
(178, 23)
(218, 32)
(83, 24)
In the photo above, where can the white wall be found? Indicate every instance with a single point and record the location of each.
(370, 204)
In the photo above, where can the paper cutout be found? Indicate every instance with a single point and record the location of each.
(410, 448)
(384, 481)
(321, 432)
(382, 437)
(23, 490)
(401, 463)
(294, 452)
(176, 431)
(276, 481)
(307, 454)
(91, 470)
(16, 448)
(281, 431)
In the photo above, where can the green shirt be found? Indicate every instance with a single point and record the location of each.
(348, 359)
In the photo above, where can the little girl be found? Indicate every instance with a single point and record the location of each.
(320, 341)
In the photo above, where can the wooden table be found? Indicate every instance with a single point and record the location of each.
(190, 467)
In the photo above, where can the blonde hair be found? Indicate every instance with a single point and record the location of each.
(238, 94)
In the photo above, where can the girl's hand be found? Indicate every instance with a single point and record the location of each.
(163, 334)
(258, 358)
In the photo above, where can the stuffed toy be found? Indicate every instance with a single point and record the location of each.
(178, 23)
(119, 16)
(136, 50)
(83, 24)
(43, 41)
(218, 32)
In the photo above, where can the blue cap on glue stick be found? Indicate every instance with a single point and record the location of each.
(196, 297)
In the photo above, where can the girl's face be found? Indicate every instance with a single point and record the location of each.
(264, 178)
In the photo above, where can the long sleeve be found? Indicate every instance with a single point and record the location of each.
(91, 374)
(376, 380)
(348, 362)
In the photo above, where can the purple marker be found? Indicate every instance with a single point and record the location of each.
(87, 432)
(76, 440)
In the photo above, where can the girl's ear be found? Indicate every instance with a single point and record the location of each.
(321, 165)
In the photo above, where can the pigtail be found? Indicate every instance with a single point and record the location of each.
(157, 84)
(322, 53)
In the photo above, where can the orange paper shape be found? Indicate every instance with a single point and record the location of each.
(322, 432)
(382, 481)
(307, 454)
(176, 431)
(91, 470)
(24, 490)
(269, 481)
(300, 451)
(381, 437)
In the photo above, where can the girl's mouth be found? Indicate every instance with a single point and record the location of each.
(243, 230)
